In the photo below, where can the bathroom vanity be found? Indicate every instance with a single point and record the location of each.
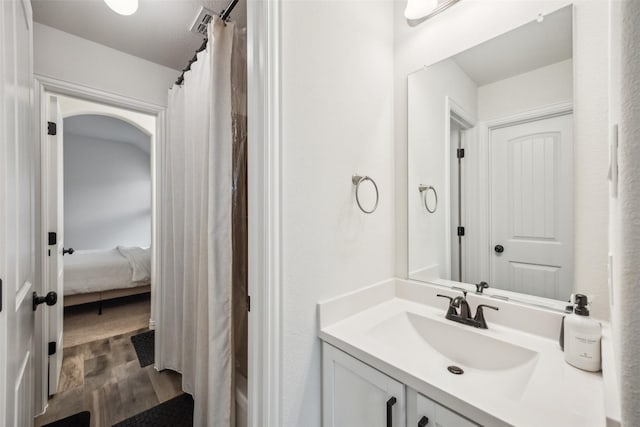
(390, 358)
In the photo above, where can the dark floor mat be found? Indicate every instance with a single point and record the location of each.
(144, 344)
(177, 412)
(81, 419)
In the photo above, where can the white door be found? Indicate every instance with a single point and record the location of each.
(55, 223)
(18, 163)
(356, 395)
(532, 207)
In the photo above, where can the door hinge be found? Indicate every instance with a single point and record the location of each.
(0, 295)
(53, 238)
(460, 153)
(52, 128)
(52, 348)
(460, 231)
(248, 302)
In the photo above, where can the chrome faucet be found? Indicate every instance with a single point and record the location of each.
(464, 316)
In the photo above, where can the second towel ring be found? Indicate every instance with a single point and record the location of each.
(425, 189)
(357, 180)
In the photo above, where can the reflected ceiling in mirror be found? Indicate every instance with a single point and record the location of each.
(490, 134)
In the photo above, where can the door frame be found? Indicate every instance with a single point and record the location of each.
(42, 86)
(453, 112)
(545, 112)
(265, 382)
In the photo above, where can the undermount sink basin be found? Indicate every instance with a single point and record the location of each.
(461, 345)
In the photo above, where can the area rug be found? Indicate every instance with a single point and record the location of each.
(144, 344)
(81, 419)
(177, 412)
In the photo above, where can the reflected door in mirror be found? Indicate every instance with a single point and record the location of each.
(532, 207)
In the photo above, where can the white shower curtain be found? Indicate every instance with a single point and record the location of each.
(196, 262)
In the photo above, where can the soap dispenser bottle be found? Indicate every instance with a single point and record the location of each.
(582, 338)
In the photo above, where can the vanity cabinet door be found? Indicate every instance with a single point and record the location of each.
(424, 412)
(357, 395)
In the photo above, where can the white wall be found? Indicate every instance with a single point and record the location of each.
(75, 107)
(616, 236)
(474, 21)
(73, 59)
(429, 163)
(107, 194)
(625, 203)
(544, 86)
(337, 94)
(590, 123)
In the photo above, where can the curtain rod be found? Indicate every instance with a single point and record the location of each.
(224, 15)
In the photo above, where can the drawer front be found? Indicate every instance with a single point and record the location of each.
(424, 412)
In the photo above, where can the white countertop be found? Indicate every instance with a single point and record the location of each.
(546, 392)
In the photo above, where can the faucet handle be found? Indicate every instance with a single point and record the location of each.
(481, 287)
(489, 306)
(479, 317)
(451, 311)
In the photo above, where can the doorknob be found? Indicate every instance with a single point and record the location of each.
(499, 249)
(69, 251)
(51, 298)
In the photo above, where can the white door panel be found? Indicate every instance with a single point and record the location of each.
(532, 207)
(17, 214)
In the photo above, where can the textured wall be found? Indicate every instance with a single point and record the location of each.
(627, 222)
(337, 95)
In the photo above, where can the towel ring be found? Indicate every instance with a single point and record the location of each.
(425, 189)
(357, 180)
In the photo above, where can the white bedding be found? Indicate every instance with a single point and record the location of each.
(98, 270)
(139, 260)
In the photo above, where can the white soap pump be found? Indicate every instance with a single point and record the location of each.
(582, 337)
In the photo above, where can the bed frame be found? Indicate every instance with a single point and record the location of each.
(77, 299)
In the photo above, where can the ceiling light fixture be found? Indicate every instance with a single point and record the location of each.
(123, 7)
(425, 9)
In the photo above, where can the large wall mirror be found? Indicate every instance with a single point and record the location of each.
(490, 168)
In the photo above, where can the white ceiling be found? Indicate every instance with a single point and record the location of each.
(108, 129)
(526, 48)
(158, 32)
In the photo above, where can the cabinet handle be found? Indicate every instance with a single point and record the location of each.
(423, 422)
(390, 404)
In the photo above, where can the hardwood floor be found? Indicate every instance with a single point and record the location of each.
(82, 323)
(105, 378)
(103, 375)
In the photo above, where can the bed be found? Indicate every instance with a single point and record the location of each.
(100, 275)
